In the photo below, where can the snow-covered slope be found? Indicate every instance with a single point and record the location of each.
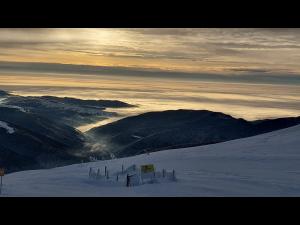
(264, 165)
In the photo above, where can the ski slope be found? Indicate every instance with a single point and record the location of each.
(263, 165)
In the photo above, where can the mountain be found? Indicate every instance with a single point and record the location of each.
(71, 111)
(262, 165)
(38, 132)
(30, 141)
(87, 103)
(3, 93)
(157, 131)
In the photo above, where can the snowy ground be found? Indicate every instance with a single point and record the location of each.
(264, 165)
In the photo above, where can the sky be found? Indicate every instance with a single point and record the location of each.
(217, 51)
(250, 73)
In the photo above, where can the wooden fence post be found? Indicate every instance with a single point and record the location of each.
(127, 180)
(90, 172)
(1, 186)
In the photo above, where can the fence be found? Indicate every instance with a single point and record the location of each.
(132, 176)
(95, 174)
(158, 176)
(132, 180)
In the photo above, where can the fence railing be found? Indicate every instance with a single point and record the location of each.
(133, 176)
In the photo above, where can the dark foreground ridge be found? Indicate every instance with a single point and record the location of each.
(31, 141)
(157, 131)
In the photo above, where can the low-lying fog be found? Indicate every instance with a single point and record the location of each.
(249, 101)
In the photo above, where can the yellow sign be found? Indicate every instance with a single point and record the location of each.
(1, 172)
(147, 168)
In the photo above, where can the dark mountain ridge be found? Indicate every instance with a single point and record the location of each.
(36, 142)
(3, 93)
(156, 131)
(71, 111)
(38, 132)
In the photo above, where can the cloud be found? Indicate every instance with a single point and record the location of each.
(250, 70)
(254, 75)
(247, 46)
(166, 31)
(188, 49)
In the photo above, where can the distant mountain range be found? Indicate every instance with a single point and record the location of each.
(3, 93)
(39, 132)
(71, 111)
(155, 131)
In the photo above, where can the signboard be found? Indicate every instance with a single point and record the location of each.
(1, 172)
(147, 168)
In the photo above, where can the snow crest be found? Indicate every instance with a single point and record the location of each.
(8, 129)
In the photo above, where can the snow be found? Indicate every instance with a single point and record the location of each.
(263, 165)
(8, 129)
(2, 100)
(135, 136)
(15, 107)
